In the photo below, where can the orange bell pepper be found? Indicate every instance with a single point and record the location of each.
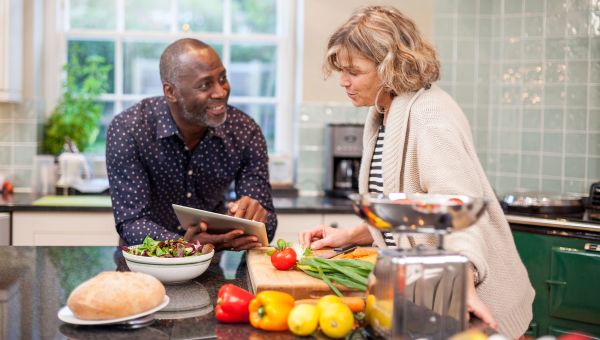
(270, 309)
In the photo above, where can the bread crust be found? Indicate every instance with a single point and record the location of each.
(111, 295)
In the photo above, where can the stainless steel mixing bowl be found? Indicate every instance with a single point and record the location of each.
(418, 213)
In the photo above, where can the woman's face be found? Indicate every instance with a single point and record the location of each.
(359, 78)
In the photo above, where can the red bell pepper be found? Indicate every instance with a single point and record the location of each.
(232, 304)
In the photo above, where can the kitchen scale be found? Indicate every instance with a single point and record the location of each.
(418, 292)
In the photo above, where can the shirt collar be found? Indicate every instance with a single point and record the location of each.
(166, 126)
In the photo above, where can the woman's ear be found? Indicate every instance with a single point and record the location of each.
(169, 91)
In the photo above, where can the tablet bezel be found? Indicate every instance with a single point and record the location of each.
(219, 223)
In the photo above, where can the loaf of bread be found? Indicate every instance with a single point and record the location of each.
(111, 295)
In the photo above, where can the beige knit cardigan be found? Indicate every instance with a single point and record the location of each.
(429, 130)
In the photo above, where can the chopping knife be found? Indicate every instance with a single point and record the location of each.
(337, 251)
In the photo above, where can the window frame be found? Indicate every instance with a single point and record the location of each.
(57, 34)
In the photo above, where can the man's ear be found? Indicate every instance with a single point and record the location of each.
(169, 91)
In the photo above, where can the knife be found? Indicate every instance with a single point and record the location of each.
(337, 251)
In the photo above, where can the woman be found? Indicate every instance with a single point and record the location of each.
(418, 140)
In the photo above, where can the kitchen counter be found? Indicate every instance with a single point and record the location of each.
(36, 282)
(283, 205)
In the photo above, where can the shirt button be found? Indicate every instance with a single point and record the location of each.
(179, 227)
(189, 194)
(190, 172)
(186, 148)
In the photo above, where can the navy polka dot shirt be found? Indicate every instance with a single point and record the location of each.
(150, 168)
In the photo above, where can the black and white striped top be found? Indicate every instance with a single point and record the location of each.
(376, 177)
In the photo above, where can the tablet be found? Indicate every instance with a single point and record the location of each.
(219, 223)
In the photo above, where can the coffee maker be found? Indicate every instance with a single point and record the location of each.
(343, 150)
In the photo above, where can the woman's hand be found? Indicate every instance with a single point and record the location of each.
(474, 303)
(324, 236)
(248, 208)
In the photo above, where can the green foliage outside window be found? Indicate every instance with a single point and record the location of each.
(77, 114)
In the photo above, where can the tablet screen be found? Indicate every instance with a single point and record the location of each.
(220, 223)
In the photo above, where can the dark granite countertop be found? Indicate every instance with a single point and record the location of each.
(36, 282)
(283, 205)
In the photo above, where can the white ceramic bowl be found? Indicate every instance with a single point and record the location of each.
(169, 270)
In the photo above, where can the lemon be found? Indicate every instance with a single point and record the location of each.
(326, 301)
(303, 319)
(471, 334)
(337, 320)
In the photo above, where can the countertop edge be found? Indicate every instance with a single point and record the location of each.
(552, 223)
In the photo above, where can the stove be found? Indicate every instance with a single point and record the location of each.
(590, 216)
(563, 207)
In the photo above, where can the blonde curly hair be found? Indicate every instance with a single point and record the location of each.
(405, 61)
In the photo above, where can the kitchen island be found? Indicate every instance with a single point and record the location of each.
(36, 282)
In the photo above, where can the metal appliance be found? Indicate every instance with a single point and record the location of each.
(76, 178)
(594, 198)
(343, 151)
(418, 293)
(542, 203)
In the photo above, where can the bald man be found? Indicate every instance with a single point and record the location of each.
(187, 147)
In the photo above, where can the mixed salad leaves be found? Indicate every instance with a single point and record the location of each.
(168, 248)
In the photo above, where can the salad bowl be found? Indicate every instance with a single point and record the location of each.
(167, 266)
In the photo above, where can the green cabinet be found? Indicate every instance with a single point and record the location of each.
(566, 279)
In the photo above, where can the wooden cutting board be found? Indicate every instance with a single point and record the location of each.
(263, 276)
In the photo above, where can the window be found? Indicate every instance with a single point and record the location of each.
(252, 37)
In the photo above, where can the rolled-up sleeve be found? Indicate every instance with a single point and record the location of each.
(252, 179)
(130, 187)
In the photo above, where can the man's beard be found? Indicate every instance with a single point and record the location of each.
(201, 118)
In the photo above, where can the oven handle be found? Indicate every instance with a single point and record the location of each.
(556, 283)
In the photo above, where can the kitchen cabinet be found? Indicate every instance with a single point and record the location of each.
(4, 229)
(289, 225)
(50, 228)
(565, 277)
(11, 50)
(341, 220)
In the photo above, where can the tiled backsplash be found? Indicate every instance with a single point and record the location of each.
(18, 141)
(527, 75)
(313, 118)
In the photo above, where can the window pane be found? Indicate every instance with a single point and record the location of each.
(82, 49)
(218, 47)
(200, 16)
(147, 15)
(92, 14)
(107, 115)
(140, 67)
(252, 70)
(128, 103)
(253, 16)
(264, 115)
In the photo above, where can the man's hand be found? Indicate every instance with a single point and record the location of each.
(248, 208)
(233, 240)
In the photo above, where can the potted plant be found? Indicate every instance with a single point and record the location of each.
(77, 114)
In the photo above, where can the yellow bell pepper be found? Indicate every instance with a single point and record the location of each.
(270, 309)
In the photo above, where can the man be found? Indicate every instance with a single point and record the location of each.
(187, 147)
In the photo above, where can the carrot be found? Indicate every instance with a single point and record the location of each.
(356, 304)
